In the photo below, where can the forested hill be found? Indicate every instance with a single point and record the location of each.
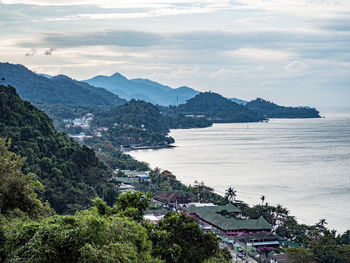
(272, 110)
(134, 124)
(57, 90)
(218, 109)
(137, 113)
(71, 174)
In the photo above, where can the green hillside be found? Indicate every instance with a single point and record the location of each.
(272, 110)
(71, 174)
(218, 109)
(57, 90)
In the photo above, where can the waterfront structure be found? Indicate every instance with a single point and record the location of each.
(228, 219)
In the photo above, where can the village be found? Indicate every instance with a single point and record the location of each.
(248, 240)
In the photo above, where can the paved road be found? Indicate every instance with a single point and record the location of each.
(235, 258)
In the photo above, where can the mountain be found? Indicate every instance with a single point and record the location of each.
(56, 90)
(134, 124)
(71, 174)
(272, 110)
(218, 109)
(139, 114)
(143, 89)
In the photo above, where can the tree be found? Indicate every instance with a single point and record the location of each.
(262, 198)
(299, 255)
(132, 204)
(178, 238)
(230, 194)
(86, 237)
(17, 190)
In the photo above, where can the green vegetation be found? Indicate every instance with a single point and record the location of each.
(322, 245)
(272, 110)
(177, 120)
(135, 113)
(173, 235)
(71, 174)
(57, 90)
(134, 124)
(18, 190)
(218, 109)
(59, 112)
(113, 234)
(38, 164)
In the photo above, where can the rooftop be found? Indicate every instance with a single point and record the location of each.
(210, 215)
(230, 208)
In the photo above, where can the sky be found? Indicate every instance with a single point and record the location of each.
(292, 52)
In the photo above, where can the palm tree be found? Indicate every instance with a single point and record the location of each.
(262, 199)
(321, 223)
(230, 194)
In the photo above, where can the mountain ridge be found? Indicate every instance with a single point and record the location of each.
(145, 89)
(59, 89)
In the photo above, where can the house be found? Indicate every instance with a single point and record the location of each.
(228, 219)
(153, 218)
(78, 137)
(77, 122)
(143, 178)
(126, 187)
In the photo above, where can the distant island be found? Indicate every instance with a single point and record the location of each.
(272, 110)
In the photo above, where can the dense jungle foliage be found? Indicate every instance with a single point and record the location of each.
(218, 109)
(71, 174)
(272, 110)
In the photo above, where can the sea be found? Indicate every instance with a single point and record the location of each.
(302, 164)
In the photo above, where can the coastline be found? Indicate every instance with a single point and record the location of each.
(154, 147)
(296, 149)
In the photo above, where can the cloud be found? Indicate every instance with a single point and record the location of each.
(261, 54)
(48, 52)
(32, 52)
(340, 24)
(114, 38)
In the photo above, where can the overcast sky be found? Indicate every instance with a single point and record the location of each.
(293, 52)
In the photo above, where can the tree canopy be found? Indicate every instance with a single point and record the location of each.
(71, 174)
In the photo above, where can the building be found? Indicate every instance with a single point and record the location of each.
(78, 137)
(262, 239)
(126, 187)
(228, 219)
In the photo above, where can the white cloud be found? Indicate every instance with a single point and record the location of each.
(262, 54)
(296, 66)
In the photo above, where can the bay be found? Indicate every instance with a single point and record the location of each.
(303, 164)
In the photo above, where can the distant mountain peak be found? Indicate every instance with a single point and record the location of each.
(118, 75)
(61, 76)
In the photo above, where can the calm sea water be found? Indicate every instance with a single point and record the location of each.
(303, 164)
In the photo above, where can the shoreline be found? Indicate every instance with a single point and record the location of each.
(155, 147)
(302, 216)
